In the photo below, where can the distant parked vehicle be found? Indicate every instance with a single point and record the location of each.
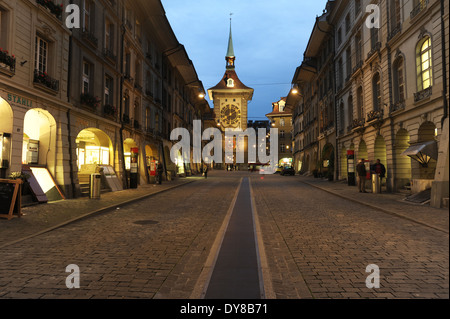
(287, 170)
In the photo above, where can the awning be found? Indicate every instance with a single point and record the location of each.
(422, 152)
(428, 148)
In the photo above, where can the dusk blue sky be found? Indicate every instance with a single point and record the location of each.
(269, 38)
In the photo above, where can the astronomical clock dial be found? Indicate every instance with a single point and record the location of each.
(230, 115)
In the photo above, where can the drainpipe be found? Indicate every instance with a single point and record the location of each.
(444, 64)
(391, 120)
(124, 171)
(336, 151)
(69, 134)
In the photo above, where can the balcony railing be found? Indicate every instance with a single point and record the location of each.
(109, 54)
(52, 7)
(375, 115)
(89, 100)
(395, 31)
(8, 60)
(44, 79)
(125, 119)
(375, 48)
(138, 87)
(110, 110)
(397, 106)
(419, 96)
(357, 123)
(357, 66)
(422, 5)
(90, 37)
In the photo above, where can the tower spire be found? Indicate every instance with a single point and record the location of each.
(230, 57)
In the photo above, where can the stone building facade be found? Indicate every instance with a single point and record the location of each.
(106, 94)
(392, 89)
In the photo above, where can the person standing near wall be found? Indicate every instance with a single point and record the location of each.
(361, 171)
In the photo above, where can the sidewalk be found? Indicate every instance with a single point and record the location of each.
(41, 218)
(391, 203)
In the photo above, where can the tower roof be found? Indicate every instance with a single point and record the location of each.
(230, 51)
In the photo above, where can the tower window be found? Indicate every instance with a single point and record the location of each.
(230, 83)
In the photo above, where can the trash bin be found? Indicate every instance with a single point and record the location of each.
(95, 185)
(376, 184)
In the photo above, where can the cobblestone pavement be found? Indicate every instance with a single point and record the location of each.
(153, 248)
(318, 245)
(318, 239)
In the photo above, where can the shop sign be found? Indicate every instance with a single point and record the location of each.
(18, 100)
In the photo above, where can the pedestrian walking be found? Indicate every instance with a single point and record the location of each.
(361, 171)
(205, 171)
(159, 172)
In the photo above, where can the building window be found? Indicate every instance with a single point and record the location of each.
(424, 64)
(340, 73)
(376, 87)
(373, 38)
(281, 134)
(395, 14)
(108, 90)
(282, 122)
(41, 49)
(282, 148)
(339, 36)
(360, 101)
(342, 117)
(358, 47)
(86, 77)
(357, 7)
(347, 23)
(87, 14)
(138, 31)
(4, 33)
(157, 122)
(399, 82)
(147, 118)
(109, 36)
(350, 109)
(349, 61)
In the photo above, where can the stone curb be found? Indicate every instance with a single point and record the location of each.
(376, 207)
(92, 213)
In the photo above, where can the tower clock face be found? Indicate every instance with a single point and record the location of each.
(230, 115)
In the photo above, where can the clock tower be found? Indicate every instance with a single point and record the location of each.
(230, 96)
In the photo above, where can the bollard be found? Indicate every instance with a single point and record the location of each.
(376, 184)
(95, 185)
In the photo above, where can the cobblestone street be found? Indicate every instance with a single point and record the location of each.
(315, 244)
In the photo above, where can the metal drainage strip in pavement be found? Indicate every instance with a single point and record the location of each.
(235, 274)
(146, 222)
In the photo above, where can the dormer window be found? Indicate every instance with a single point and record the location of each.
(230, 83)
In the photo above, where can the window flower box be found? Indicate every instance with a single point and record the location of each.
(52, 7)
(42, 78)
(109, 109)
(8, 60)
(89, 100)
